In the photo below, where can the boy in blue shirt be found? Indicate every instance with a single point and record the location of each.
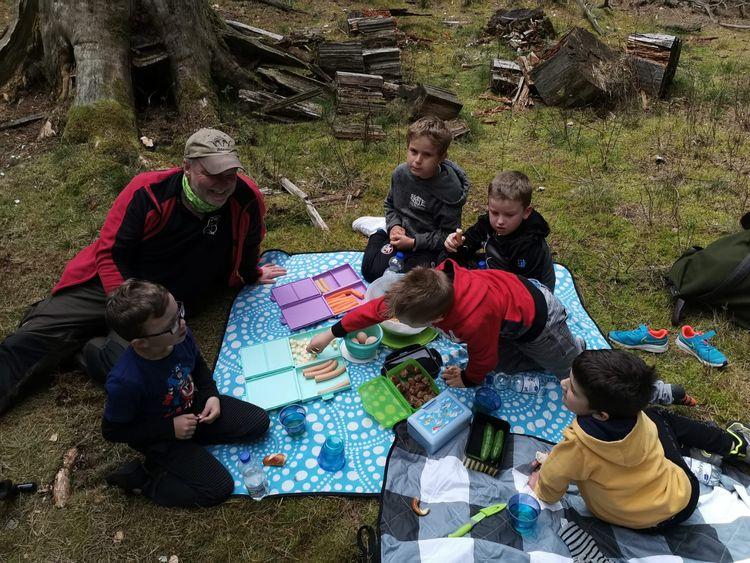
(163, 402)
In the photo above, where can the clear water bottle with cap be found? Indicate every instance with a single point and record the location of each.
(530, 383)
(396, 263)
(707, 473)
(253, 476)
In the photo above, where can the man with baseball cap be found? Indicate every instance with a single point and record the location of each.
(192, 229)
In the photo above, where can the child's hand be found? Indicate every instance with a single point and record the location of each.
(184, 426)
(452, 376)
(319, 342)
(534, 478)
(396, 230)
(402, 242)
(270, 272)
(453, 242)
(211, 411)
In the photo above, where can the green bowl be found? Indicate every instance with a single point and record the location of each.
(364, 351)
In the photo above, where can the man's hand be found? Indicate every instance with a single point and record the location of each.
(453, 242)
(184, 426)
(402, 242)
(452, 376)
(270, 272)
(320, 341)
(211, 411)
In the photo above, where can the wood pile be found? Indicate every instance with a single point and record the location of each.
(431, 100)
(506, 77)
(376, 30)
(359, 97)
(345, 56)
(385, 61)
(522, 29)
(279, 108)
(655, 59)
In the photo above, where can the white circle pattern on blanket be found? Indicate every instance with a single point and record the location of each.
(255, 318)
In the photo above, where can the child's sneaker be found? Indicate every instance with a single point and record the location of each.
(696, 343)
(641, 338)
(741, 435)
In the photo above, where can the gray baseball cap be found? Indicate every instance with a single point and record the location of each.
(214, 148)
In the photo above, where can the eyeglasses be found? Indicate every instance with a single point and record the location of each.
(175, 325)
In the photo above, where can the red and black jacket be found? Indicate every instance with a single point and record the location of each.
(142, 211)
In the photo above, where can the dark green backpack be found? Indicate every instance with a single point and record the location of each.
(717, 276)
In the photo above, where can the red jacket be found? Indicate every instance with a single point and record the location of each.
(487, 304)
(142, 209)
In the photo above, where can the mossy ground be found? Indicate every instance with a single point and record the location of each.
(618, 221)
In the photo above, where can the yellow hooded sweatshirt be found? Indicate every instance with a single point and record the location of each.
(627, 482)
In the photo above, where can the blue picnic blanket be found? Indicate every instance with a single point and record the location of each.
(254, 318)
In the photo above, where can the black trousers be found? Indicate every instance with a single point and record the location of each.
(182, 473)
(51, 332)
(678, 434)
(379, 251)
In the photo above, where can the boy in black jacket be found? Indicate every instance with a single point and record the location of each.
(511, 233)
(162, 401)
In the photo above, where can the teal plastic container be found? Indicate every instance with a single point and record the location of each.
(364, 351)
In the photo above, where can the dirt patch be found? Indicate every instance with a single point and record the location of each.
(22, 143)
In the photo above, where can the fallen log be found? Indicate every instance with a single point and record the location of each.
(579, 71)
(655, 59)
(13, 123)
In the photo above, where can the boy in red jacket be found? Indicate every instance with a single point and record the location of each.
(507, 322)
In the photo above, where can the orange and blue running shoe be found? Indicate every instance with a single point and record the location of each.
(696, 343)
(641, 338)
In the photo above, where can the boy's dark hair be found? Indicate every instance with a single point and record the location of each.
(434, 129)
(614, 381)
(512, 185)
(421, 296)
(132, 304)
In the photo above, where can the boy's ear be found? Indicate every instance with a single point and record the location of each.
(139, 344)
(527, 212)
(601, 415)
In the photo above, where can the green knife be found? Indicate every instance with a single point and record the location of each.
(478, 517)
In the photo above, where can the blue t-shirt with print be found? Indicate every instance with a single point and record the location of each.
(137, 387)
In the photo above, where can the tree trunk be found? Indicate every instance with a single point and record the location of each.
(83, 47)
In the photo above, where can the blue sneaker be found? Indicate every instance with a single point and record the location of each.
(696, 343)
(641, 338)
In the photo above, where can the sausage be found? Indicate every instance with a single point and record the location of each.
(319, 368)
(338, 385)
(325, 376)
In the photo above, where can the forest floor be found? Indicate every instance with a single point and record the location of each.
(619, 219)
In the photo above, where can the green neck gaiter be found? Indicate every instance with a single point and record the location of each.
(195, 202)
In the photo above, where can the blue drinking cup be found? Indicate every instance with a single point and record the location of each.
(331, 456)
(292, 418)
(524, 511)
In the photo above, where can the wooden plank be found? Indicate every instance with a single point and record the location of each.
(359, 80)
(352, 130)
(315, 217)
(258, 100)
(21, 121)
(290, 80)
(277, 105)
(253, 47)
(341, 56)
(249, 29)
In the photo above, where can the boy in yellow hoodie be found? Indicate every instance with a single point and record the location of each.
(626, 459)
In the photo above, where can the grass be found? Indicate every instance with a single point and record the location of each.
(618, 221)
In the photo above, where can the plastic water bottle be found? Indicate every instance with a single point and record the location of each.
(253, 476)
(707, 473)
(529, 384)
(396, 263)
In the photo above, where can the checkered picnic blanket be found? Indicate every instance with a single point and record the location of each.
(718, 531)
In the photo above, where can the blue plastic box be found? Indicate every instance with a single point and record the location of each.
(438, 421)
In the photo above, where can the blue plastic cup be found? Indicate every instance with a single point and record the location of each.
(524, 511)
(293, 419)
(331, 456)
